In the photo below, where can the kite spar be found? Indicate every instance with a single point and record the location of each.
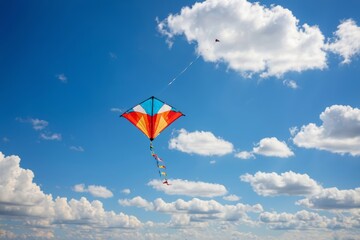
(151, 117)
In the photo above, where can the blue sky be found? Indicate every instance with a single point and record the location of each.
(268, 149)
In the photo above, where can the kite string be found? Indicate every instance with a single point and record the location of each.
(160, 165)
(188, 66)
(184, 70)
(180, 73)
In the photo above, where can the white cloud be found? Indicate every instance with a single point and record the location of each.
(300, 220)
(272, 147)
(62, 77)
(126, 191)
(305, 220)
(320, 234)
(79, 188)
(77, 148)
(5, 139)
(287, 183)
(193, 206)
(36, 123)
(339, 132)
(99, 191)
(96, 191)
(137, 202)
(200, 142)
(232, 198)
(40, 125)
(189, 188)
(295, 184)
(347, 40)
(212, 162)
(333, 198)
(290, 83)
(51, 136)
(20, 196)
(269, 147)
(91, 213)
(253, 38)
(180, 220)
(16, 186)
(293, 131)
(116, 110)
(244, 155)
(195, 210)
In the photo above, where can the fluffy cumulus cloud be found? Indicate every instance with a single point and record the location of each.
(195, 210)
(253, 38)
(137, 202)
(287, 183)
(305, 220)
(17, 191)
(245, 155)
(232, 198)
(126, 191)
(94, 190)
(23, 201)
(269, 147)
(333, 198)
(20, 196)
(296, 184)
(272, 147)
(338, 133)
(300, 220)
(347, 40)
(79, 188)
(339, 234)
(99, 191)
(90, 213)
(200, 142)
(189, 188)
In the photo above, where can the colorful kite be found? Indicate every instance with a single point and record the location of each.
(151, 117)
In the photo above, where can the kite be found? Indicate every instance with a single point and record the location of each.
(151, 117)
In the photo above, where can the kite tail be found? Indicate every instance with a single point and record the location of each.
(159, 164)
